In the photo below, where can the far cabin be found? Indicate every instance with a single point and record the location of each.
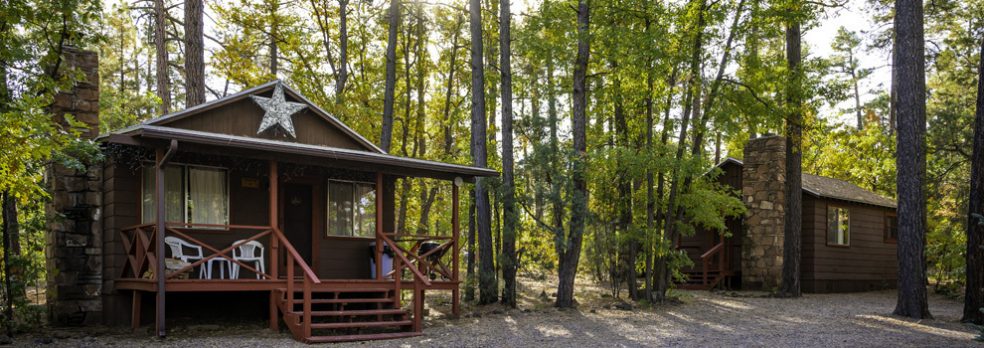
(848, 232)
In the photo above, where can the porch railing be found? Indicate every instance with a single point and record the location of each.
(718, 251)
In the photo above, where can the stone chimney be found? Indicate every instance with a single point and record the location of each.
(74, 240)
(763, 190)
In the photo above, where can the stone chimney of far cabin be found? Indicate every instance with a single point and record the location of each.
(74, 239)
(763, 190)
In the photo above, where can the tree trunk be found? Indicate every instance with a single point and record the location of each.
(660, 276)
(488, 285)
(509, 213)
(910, 100)
(426, 202)
(342, 50)
(386, 138)
(556, 202)
(974, 295)
(160, 46)
(194, 53)
(274, 50)
(579, 202)
(793, 212)
(693, 105)
(11, 249)
(651, 233)
(470, 257)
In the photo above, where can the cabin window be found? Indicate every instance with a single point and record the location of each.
(351, 209)
(838, 226)
(192, 194)
(891, 228)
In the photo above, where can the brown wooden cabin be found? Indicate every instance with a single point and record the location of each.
(321, 204)
(848, 238)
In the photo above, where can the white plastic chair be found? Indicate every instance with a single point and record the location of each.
(178, 247)
(251, 251)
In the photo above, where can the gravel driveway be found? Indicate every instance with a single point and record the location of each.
(701, 319)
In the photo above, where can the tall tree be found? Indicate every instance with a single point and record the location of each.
(847, 44)
(160, 45)
(509, 214)
(194, 53)
(342, 50)
(974, 294)
(385, 140)
(570, 249)
(487, 284)
(793, 210)
(909, 71)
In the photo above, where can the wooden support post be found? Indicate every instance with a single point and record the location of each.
(418, 306)
(307, 307)
(162, 158)
(379, 227)
(274, 244)
(135, 310)
(455, 236)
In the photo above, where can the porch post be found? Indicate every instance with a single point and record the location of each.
(162, 158)
(455, 235)
(274, 243)
(379, 226)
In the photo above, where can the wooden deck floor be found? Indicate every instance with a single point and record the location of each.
(209, 285)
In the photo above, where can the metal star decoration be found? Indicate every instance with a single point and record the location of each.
(278, 111)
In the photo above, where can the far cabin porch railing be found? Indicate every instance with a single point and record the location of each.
(716, 253)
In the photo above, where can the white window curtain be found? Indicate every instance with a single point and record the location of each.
(838, 226)
(208, 201)
(339, 208)
(174, 202)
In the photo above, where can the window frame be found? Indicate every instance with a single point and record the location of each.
(831, 207)
(186, 192)
(888, 236)
(328, 224)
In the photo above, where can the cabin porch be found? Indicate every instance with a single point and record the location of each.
(321, 286)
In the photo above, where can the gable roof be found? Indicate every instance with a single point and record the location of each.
(371, 158)
(824, 187)
(195, 110)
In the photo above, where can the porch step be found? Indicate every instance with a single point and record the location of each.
(361, 324)
(363, 337)
(355, 312)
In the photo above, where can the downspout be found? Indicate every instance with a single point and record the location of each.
(162, 159)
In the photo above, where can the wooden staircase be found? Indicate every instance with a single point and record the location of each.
(339, 313)
(715, 269)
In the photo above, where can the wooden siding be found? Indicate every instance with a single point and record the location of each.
(243, 118)
(868, 263)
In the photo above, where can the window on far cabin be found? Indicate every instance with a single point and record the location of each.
(351, 209)
(192, 194)
(838, 226)
(891, 228)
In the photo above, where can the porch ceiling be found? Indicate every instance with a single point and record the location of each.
(343, 158)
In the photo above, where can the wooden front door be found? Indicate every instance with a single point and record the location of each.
(298, 216)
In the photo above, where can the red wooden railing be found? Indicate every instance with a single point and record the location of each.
(720, 252)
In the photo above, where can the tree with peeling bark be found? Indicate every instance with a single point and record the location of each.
(793, 210)
(909, 69)
(194, 52)
(162, 77)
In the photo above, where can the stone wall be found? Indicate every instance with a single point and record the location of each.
(763, 190)
(74, 240)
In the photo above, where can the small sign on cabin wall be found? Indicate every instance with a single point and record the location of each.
(250, 182)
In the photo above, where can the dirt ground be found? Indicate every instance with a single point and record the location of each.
(699, 319)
